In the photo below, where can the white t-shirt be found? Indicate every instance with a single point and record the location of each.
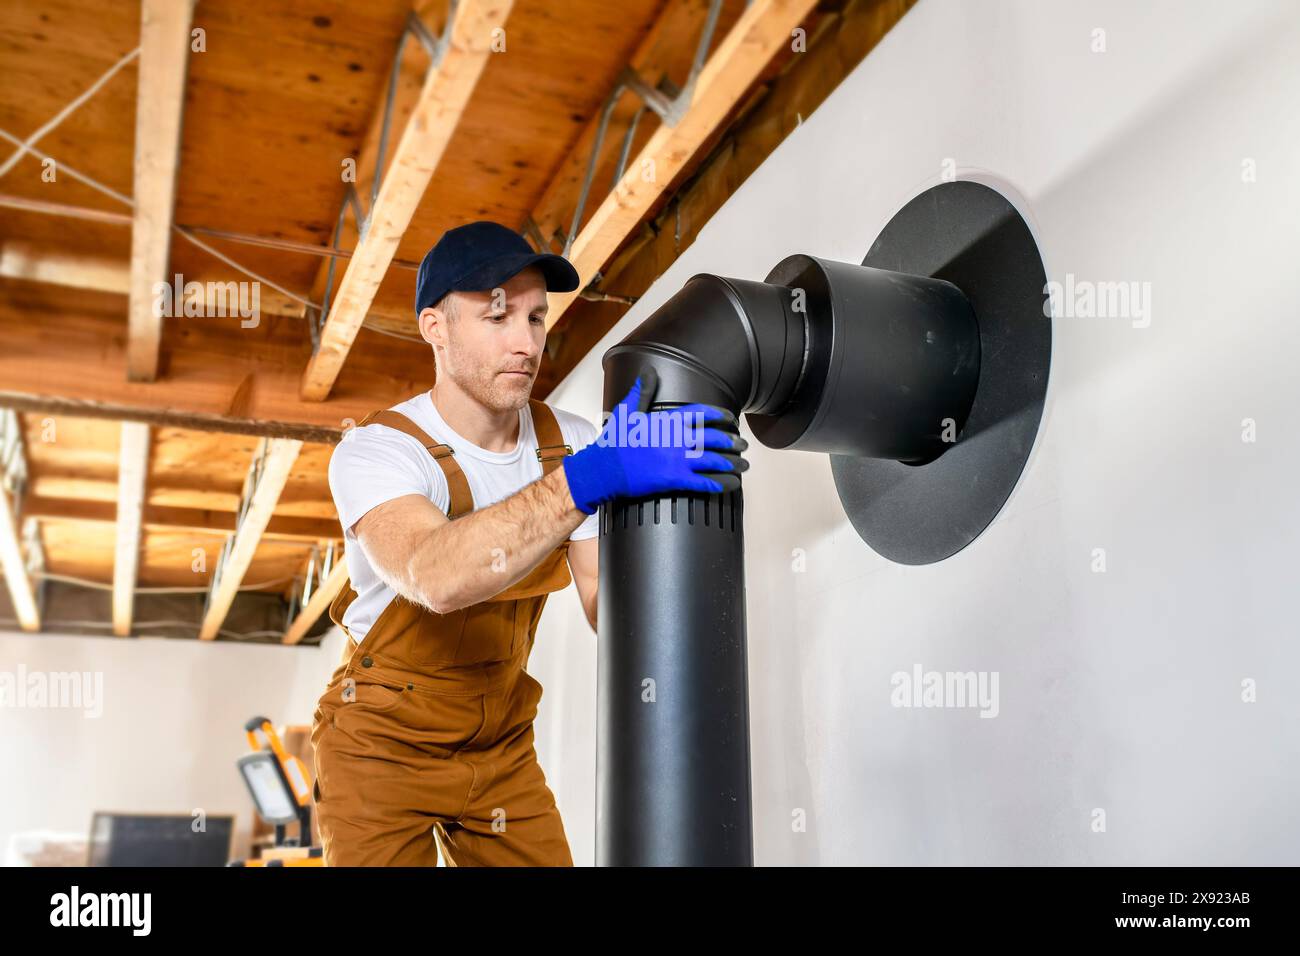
(376, 463)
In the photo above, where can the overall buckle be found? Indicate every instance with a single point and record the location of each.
(568, 450)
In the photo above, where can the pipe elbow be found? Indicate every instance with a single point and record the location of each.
(734, 343)
(822, 356)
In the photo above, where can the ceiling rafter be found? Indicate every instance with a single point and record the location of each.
(164, 58)
(267, 477)
(320, 596)
(132, 473)
(13, 559)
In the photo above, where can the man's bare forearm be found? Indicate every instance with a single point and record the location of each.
(484, 552)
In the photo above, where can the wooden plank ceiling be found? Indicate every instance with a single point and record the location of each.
(278, 102)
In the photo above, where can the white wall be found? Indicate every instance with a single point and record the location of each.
(1118, 690)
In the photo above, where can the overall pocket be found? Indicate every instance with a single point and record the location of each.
(399, 720)
(472, 635)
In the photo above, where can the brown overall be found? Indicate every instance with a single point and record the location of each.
(426, 727)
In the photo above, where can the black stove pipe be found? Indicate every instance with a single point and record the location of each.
(821, 356)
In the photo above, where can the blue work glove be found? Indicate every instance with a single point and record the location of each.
(697, 449)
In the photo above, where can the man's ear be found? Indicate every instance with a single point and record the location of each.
(431, 327)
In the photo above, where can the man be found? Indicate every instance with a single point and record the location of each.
(462, 509)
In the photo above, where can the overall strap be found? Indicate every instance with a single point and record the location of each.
(462, 499)
(550, 441)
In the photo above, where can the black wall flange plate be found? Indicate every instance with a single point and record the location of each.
(971, 236)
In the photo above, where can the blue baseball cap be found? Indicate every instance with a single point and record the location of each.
(480, 256)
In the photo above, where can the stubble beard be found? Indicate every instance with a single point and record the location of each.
(493, 390)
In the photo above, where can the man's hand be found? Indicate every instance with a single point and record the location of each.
(688, 448)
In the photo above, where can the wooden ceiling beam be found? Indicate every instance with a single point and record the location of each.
(156, 412)
(278, 456)
(762, 30)
(164, 58)
(443, 97)
(132, 471)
